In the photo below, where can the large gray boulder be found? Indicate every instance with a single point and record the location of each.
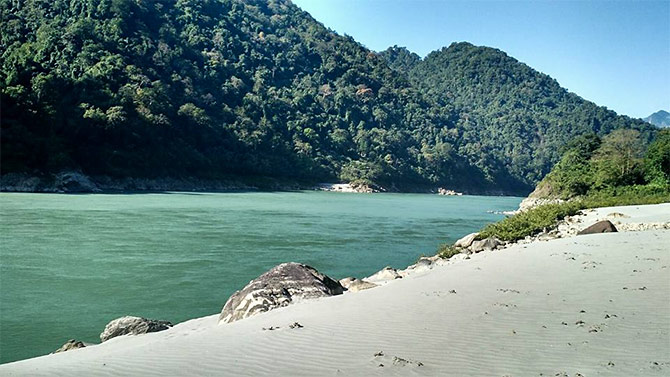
(280, 286)
(130, 325)
(604, 226)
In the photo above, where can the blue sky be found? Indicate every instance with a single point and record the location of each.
(614, 53)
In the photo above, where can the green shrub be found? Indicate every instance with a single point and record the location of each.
(657, 159)
(530, 222)
(533, 221)
(446, 251)
(627, 195)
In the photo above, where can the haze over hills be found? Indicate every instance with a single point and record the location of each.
(221, 88)
(660, 118)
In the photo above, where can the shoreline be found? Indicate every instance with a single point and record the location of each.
(306, 224)
(72, 182)
(416, 301)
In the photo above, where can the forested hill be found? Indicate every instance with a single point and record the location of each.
(212, 89)
(220, 88)
(508, 112)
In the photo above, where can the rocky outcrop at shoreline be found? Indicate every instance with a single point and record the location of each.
(447, 192)
(290, 282)
(348, 187)
(532, 202)
(76, 182)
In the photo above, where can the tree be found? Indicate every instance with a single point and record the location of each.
(657, 159)
(618, 161)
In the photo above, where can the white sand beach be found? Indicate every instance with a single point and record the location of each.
(579, 306)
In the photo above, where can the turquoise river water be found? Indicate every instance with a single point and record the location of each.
(71, 263)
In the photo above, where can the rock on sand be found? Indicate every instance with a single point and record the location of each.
(604, 226)
(466, 241)
(280, 286)
(70, 345)
(355, 285)
(130, 325)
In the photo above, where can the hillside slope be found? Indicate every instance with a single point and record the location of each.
(229, 88)
(210, 89)
(508, 112)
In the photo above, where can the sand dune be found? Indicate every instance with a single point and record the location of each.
(585, 305)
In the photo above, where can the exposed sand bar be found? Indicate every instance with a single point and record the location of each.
(517, 311)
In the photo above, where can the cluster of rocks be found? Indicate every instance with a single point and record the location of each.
(128, 325)
(443, 191)
(635, 227)
(568, 227)
(572, 225)
(289, 283)
(61, 182)
(470, 244)
(76, 182)
(348, 187)
(532, 202)
(615, 217)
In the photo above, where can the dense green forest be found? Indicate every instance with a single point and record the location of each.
(221, 88)
(616, 170)
(508, 112)
(618, 163)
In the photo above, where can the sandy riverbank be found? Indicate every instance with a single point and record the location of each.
(584, 305)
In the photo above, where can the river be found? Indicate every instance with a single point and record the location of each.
(71, 263)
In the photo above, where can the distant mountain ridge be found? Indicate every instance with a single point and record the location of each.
(660, 118)
(213, 89)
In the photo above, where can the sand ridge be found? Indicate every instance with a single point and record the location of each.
(585, 305)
